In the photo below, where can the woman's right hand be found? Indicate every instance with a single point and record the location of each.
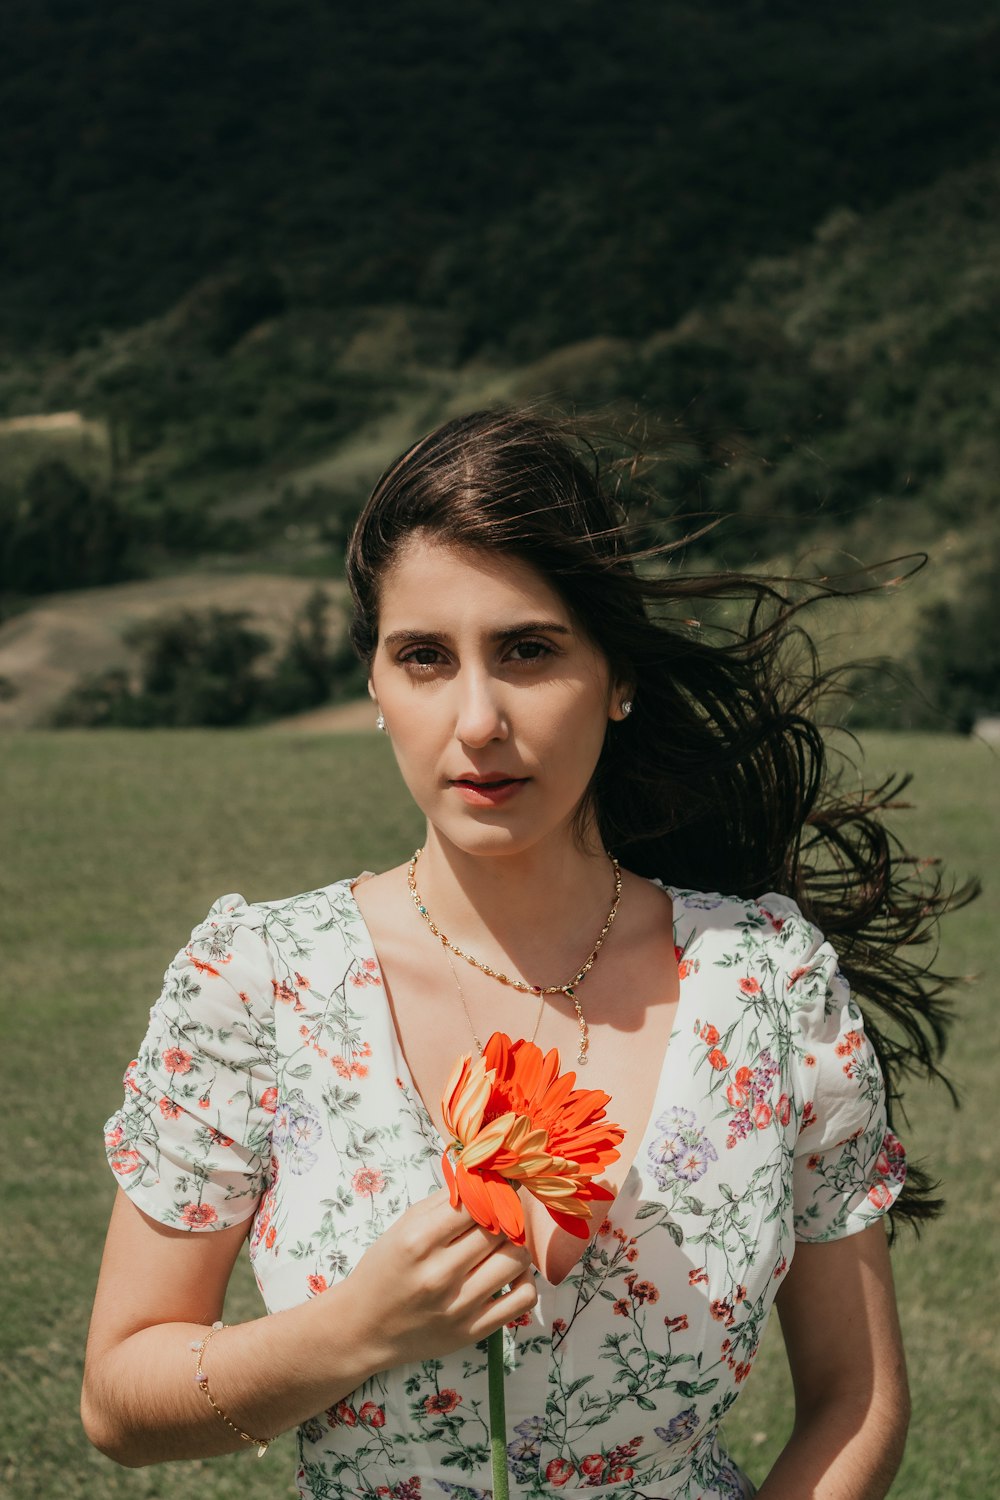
(429, 1284)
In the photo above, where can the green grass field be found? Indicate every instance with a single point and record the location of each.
(114, 845)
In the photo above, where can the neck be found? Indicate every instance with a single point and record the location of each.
(535, 912)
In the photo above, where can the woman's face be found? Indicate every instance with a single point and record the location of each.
(496, 702)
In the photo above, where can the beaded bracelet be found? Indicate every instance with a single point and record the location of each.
(201, 1379)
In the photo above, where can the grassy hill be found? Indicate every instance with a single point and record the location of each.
(842, 404)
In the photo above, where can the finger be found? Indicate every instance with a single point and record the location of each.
(478, 1244)
(438, 1222)
(496, 1311)
(506, 1267)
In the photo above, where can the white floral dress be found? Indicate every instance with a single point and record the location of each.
(271, 1084)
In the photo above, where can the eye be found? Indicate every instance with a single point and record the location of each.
(421, 658)
(530, 650)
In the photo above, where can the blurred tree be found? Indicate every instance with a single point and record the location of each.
(58, 532)
(958, 653)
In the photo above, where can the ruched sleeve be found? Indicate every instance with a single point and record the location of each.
(191, 1142)
(848, 1168)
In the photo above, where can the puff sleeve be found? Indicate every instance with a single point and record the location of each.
(191, 1142)
(848, 1167)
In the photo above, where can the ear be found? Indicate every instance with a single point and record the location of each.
(371, 691)
(622, 692)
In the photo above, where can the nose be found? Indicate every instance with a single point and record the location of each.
(480, 716)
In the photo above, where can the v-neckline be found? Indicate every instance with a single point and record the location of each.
(677, 903)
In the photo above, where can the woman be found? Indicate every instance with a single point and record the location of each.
(571, 749)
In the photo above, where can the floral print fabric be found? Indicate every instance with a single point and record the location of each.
(271, 1084)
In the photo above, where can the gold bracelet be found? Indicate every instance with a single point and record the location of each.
(201, 1379)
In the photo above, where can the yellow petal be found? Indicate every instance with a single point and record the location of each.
(466, 1098)
(488, 1142)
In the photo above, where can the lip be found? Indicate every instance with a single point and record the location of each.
(488, 791)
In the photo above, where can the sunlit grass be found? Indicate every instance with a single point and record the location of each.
(114, 845)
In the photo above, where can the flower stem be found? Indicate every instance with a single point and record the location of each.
(498, 1415)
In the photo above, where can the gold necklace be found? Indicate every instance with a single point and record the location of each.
(468, 1013)
(568, 989)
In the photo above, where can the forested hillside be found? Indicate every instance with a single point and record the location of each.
(540, 172)
(251, 251)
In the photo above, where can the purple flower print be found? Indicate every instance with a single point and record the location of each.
(679, 1428)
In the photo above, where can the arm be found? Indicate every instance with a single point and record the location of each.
(838, 1318)
(424, 1288)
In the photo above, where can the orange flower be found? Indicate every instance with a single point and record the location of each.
(515, 1120)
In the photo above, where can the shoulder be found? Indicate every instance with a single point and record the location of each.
(251, 947)
(772, 920)
(279, 919)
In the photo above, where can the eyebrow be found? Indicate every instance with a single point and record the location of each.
(526, 627)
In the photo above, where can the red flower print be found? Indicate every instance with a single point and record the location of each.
(879, 1195)
(620, 1473)
(128, 1077)
(738, 1091)
(125, 1160)
(797, 974)
(695, 1278)
(781, 1267)
(750, 986)
(850, 1042)
(269, 1099)
(813, 1162)
(301, 981)
(722, 1311)
(559, 1325)
(204, 1101)
(317, 1284)
(784, 1110)
(605, 1227)
(631, 1254)
(776, 922)
(198, 1215)
(347, 1414)
(709, 1035)
(218, 1139)
(270, 1237)
(372, 1415)
(521, 1321)
(718, 1059)
(762, 1115)
(684, 968)
(645, 1291)
(169, 1109)
(741, 1372)
(678, 953)
(740, 1294)
(244, 997)
(442, 1402)
(559, 1471)
(367, 1181)
(622, 1308)
(593, 1467)
(676, 1325)
(808, 1114)
(204, 968)
(176, 1060)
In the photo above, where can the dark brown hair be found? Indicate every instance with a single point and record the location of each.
(719, 779)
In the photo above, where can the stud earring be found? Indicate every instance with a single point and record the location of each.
(626, 707)
(380, 723)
